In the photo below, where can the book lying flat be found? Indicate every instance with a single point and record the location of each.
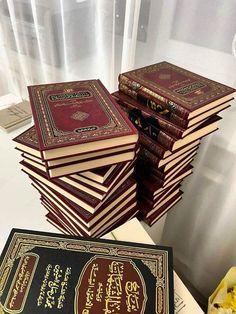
(77, 117)
(15, 116)
(51, 272)
(154, 121)
(58, 222)
(178, 90)
(87, 221)
(88, 164)
(169, 197)
(160, 212)
(150, 203)
(101, 227)
(152, 188)
(108, 182)
(81, 198)
(152, 162)
(27, 142)
(157, 108)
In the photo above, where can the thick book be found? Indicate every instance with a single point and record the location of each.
(151, 203)
(79, 215)
(110, 180)
(60, 224)
(209, 126)
(76, 117)
(157, 107)
(81, 198)
(46, 272)
(155, 162)
(180, 91)
(160, 212)
(27, 142)
(101, 227)
(149, 120)
(87, 164)
(163, 181)
(152, 188)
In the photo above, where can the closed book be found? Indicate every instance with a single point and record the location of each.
(209, 126)
(81, 198)
(81, 217)
(101, 227)
(111, 179)
(151, 187)
(149, 120)
(155, 162)
(28, 143)
(157, 107)
(77, 117)
(160, 212)
(15, 115)
(86, 164)
(51, 272)
(150, 203)
(163, 181)
(57, 221)
(148, 212)
(182, 92)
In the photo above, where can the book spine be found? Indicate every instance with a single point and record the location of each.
(155, 118)
(156, 134)
(146, 155)
(150, 95)
(155, 148)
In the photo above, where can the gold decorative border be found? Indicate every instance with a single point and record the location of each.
(117, 124)
(24, 242)
(217, 88)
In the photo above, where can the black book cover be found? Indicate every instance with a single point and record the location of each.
(51, 273)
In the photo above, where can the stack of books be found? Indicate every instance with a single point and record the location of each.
(173, 109)
(80, 156)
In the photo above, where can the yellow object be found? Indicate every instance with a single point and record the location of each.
(224, 297)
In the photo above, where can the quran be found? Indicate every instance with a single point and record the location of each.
(45, 272)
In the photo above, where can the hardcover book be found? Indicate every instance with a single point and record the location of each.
(87, 221)
(27, 142)
(77, 117)
(15, 116)
(183, 92)
(162, 210)
(42, 272)
(146, 118)
(81, 198)
(60, 224)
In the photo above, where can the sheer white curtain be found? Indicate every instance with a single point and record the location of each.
(60, 40)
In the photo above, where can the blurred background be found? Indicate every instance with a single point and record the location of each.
(62, 40)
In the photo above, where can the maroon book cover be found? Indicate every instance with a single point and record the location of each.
(181, 91)
(130, 105)
(89, 202)
(163, 210)
(150, 186)
(109, 182)
(150, 203)
(101, 221)
(77, 113)
(78, 213)
(67, 228)
(29, 139)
